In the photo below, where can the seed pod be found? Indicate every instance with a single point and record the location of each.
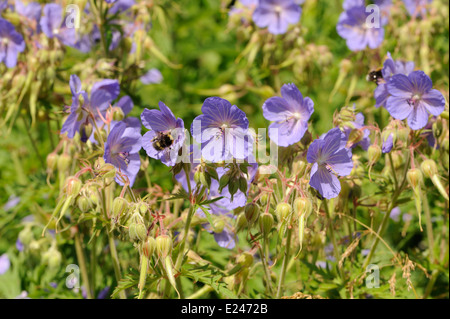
(243, 184)
(120, 206)
(149, 247)
(107, 170)
(73, 186)
(263, 199)
(266, 223)
(355, 137)
(414, 177)
(374, 153)
(429, 168)
(402, 134)
(251, 212)
(63, 162)
(164, 245)
(52, 159)
(241, 222)
(118, 114)
(283, 210)
(223, 181)
(137, 232)
(143, 209)
(299, 167)
(218, 225)
(245, 260)
(437, 128)
(197, 177)
(205, 179)
(302, 206)
(398, 160)
(83, 204)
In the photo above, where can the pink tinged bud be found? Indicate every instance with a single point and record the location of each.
(137, 232)
(149, 247)
(283, 210)
(251, 212)
(245, 260)
(374, 153)
(83, 204)
(120, 207)
(355, 137)
(414, 177)
(52, 159)
(73, 186)
(241, 222)
(428, 168)
(302, 206)
(63, 162)
(164, 245)
(266, 223)
(218, 225)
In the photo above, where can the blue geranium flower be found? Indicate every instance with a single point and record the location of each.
(329, 157)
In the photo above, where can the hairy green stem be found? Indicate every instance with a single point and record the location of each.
(284, 264)
(385, 220)
(82, 261)
(333, 239)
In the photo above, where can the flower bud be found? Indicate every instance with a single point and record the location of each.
(26, 235)
(245, 260)
(302, 206)
(197, 177)
(398, 160)
(52, 159)
(414, 177)
(163, 245)
(120, 206)
(218, 225)
(83, 204)
(63, 162)
(86, 130)
(355, 137)
(100, 135)
(205, 179)
(266, 223)
(73, 186)
(223, 181)
(437, 128)
(118, 114)
(374, 153)
(107, 170)
(241, 222)
(428, 168)
(251, 212)
(263, 199)
(137, 232)
(403, 134)
(149, 247)
(283, 210)
(299, 167)
(243, 184)
(53, 258)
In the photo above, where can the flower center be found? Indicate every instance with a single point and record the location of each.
(278, 9)
(297, 115)
(222, 129)
(55, 31)
(124, 156)
(5, 40)
(415, 99)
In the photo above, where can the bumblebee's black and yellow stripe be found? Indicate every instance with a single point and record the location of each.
(162, 141)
